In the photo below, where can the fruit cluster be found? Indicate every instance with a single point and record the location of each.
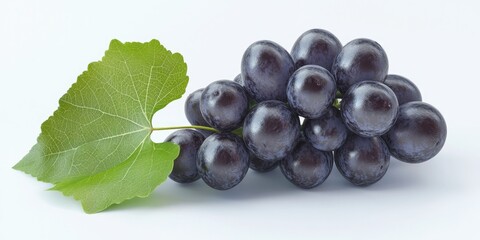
(355, 115)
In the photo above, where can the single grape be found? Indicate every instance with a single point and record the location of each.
(193, 113)
(261, 165)
(270, 130)
(192, 108)
(326, 133)
(362, 161)
(361, 59)
(311, 90)
(222, 161)
(266, 68)
(239, 79)
(404, 89)
(316, 46)
(224, 104)
(185, 166)
(306, 166)
(419, 133)
(369, 108)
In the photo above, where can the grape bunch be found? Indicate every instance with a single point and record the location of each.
(320, 104)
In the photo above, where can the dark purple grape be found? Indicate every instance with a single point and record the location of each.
(369, 108)
(316, 46)
(222, 161)
(419, 133)
(306, 166)
(326, 133)
(360, 60)
(185, 166)
(239, 79)
(224, 104)
(362, 161)
(261, 165)
(311, 90)
(193, 113)
(192, 108)
(404, 89)
(271, 130)
(266, 68)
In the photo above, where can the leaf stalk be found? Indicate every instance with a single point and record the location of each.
(185, 127)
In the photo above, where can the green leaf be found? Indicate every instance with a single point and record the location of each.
(148, 164)
(97, 145)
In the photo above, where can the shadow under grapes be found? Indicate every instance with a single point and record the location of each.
(264, 186)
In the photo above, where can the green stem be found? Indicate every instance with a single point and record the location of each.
(336, 103)
(338, 94)
(185, 127)
(238, 132)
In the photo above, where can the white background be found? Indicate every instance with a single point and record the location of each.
(45, 45)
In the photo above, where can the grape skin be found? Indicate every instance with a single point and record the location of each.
(316, 46)
(369, 108)
(271, 130)
(361, 59)
(193, 113)
(222, 161)
(260, 165)
(192, 108)
(362, 161)
(404, 89)
(266, 68)
(239, 79)
(185, 165)
(311, 90)
(419, 133)
(224, 104)
(326, 133)
(306, 166)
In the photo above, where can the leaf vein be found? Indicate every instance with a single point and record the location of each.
(103, 112)
(96, 140)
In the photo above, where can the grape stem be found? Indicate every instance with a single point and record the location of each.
(336, 103)
(338, 94)
(185, 127)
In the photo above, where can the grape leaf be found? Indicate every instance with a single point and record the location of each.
(96, 146)
(138, 176)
